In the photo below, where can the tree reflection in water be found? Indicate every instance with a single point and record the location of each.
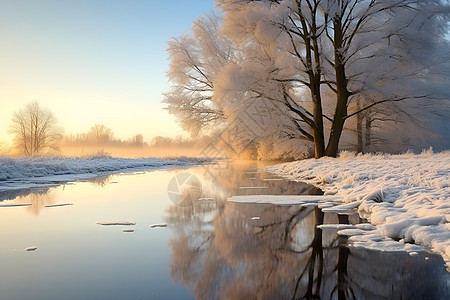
(39, 197)
(255, 251)
(237, 256)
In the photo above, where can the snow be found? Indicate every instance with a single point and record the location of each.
(342, 207)
(406, 197)
(24, 173)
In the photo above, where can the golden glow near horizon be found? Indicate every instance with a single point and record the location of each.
(91, 62)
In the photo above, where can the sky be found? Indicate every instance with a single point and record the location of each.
(92, 61)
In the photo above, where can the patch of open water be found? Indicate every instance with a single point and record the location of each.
(209, 249)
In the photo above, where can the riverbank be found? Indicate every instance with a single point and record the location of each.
(406, 197)
(32, 172)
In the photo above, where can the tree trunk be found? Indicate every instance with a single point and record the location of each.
(316, 253)
(319, 139)
(368, 137)
(342, 93)
(359, 131)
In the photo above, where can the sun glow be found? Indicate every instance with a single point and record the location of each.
(99, 62)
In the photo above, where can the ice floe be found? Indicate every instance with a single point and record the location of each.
(124, 223)
(15, 204)
(158, 225)
(205, 199)
(283, 199)
(58, 205)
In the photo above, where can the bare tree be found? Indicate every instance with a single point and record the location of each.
(137, 140)
(35, 129)
(100, 134)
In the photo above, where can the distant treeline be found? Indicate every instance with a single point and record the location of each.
(101, 135)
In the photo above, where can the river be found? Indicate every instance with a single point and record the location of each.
(200, 245)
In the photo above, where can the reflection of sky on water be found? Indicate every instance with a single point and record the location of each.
(210, 249)
(78, 259)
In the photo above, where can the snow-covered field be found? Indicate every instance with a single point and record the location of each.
(23, 173)
(405, 197)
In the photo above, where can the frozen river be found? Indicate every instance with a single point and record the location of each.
(209, 249)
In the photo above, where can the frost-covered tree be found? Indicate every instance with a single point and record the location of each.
(395, 64)
(34, 129)
(194, 61)
(239, 127)
(374, 53)
(308, 67)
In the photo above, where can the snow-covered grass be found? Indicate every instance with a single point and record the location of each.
(20, 173)
(407, 197)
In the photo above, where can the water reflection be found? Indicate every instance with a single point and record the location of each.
(247, 251)
(13, 194)
(101, 181)
(214, 248)
(39, 197)
(38, 200)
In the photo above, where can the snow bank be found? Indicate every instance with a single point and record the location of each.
(21, 173)
(407, 197)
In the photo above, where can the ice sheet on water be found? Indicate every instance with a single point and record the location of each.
(15, 204)
(351, 232)
(205, 199)
(281, 199)
(375, 241)
(158, 225)
(58, 205)
(309, 204)
(113, 223)
(336, 226)
(342, 207)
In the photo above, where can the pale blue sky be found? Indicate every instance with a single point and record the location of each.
(92, 61)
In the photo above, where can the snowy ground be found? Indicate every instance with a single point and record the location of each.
(405, 197)
(25, 173)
